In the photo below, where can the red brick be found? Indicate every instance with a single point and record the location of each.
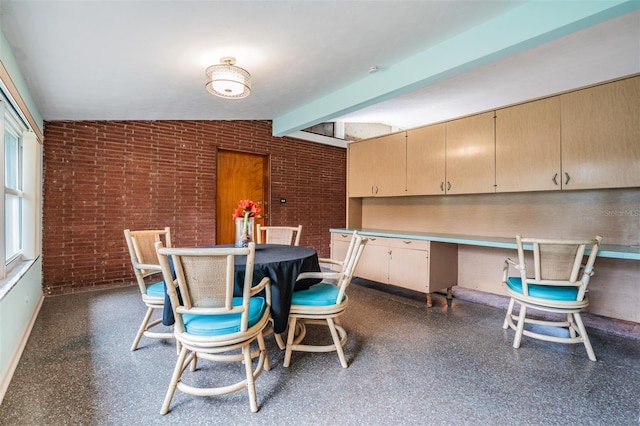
(101, 177)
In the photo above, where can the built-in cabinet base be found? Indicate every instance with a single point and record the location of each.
(419, 265)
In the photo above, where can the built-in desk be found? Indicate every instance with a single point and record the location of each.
(477, 260)
(606, 250)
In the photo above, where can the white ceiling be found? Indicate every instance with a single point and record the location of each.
(145, 60)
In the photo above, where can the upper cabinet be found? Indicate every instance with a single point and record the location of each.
(586, 139)
(470, 155)
(528, 156)
(377, 167)
(426, 160)
(456, 157)
(601, 136)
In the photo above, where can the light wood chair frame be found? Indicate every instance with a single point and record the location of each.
(578, 277)
(141, 245)
(302, 315)
(219, 348)
(288, 235)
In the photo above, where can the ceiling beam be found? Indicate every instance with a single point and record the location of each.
(532, 24)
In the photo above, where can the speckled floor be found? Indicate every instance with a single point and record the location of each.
(448, 365)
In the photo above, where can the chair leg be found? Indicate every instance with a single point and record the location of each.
(337, 342)
(142, 329)
(251, 385)
(290, 338)
(572, 325)
(520, 328)
(263, 351)
(175, 377)
(505, 325)
(585, 337)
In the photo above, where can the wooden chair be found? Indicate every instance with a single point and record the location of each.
(211, 323)
(558, 285)
(288, 235)
(146, 267)
(323, 303)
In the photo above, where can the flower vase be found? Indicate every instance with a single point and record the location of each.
(244, 231)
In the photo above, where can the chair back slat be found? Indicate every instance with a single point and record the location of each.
(287, 235)
(205, 278)
(558, 262)
(141, 245)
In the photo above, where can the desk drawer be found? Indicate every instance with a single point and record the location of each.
(406, 243)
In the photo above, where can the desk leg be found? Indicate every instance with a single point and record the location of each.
(449, 293)
(429, 302)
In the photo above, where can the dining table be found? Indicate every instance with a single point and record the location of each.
(282, 264)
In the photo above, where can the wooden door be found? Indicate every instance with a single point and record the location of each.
(361, 163)
(239, 176)
(470, 164)
(600, 136)
(528, 147)
(390, 170)
(426, 160)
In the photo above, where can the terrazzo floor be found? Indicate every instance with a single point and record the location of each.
(452, 364)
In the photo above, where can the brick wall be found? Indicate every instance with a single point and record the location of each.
(101, 177)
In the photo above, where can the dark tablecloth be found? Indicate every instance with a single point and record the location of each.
(282, 264)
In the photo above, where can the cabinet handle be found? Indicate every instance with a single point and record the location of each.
(568, 178)
(407, 242)
(448, 185)
(555, 179)
(442, 186)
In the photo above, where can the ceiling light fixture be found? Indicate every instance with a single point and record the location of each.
(228, 81)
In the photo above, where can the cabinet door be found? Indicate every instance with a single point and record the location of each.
(374, 262)
(426, 160)
(339, 246)
(601, 136)
(409, 264)
(390, 165)
(528, 147)
(470, 160)
(361, 163)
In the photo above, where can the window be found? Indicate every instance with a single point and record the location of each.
(12, 190)
(13, 202)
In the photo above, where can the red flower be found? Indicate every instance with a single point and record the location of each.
(246, 208)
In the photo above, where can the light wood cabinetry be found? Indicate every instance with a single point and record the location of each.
(601, 136)
(470, 159)
(426, 150)
(374, 262)
(360, 169)
(377, 167)
(418, 265)
(528, 153)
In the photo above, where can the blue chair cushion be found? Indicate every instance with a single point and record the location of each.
(321, 294)
(544, 291)
(156, 289)
(218, 325)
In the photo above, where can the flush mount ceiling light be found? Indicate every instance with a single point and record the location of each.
(228, 81)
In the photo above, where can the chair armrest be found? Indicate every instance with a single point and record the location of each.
(505, 269)
(330, 261)
(264, 283)
(148, 267)
(321, 275)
